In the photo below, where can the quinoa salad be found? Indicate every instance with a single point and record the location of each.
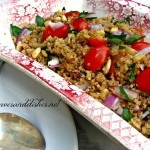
(106, 57)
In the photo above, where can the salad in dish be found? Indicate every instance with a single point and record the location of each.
(106, 57)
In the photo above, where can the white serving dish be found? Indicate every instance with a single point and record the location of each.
(16, 11)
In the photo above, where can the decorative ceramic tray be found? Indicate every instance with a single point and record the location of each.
(17, 11)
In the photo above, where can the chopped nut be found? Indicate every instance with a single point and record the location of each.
(36, 52)
(19, 46)
(44, 53)
(58, 19)
(101, 32)
(46, 23)
(106, 68)
(114, 29)
(130, 50)
(63, 18)
(137, 58)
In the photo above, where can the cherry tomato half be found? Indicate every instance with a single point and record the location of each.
(140, 45)
(60, 32)
(96, 57)
(112, 69)
(73, 14)
(138, 31)
(96, 41)
(80, 24)
(143, 80)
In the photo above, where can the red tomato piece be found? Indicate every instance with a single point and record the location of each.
(60, 32)
(138, 31)
(140, 45)
(73, 14)
(96, 57)
(112, 69)
(80, 24)
(96, 42)
(143, 80)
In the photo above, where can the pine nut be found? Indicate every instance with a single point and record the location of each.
(36, 52)
(19, 46)
(63, 18)
(44, 53)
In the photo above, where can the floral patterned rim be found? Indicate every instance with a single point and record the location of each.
(100, 116)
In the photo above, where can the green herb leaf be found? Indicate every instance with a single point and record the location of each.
(85, 15)
(75, 32)
(90, 18)
(132, 74)
(122, 91)
(39, 21)
(82, 14)
(15, 30)
(133, 66)
(126, 115)
(121, 36)
(127, 19)
(121, 47)
(115, 41)
(132, 39)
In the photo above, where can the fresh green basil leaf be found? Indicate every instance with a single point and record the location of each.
(133, 38)
(90, 18)
(121, 47)
(15, 31)
(83, 14)
(109, 35)
(126, 115)
(133, 66)
(127, 19)
(39, 21)
(122, 91)
(115, 41)
(132, 75)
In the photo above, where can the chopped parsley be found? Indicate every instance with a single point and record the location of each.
(15, 31)
(132, 74)
(123, 92)
(39, 21)
(126, 115)
(125, 20)
(85, 15)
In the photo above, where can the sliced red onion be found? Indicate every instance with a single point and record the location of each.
(83, 86)
(142, 67)
(136, 109)
(145, 114)
(54, 62)
(56, 25)
(112, 102)
(129, 92)
(119, 111)
(144, 51)
(24, 32)
(96, 27)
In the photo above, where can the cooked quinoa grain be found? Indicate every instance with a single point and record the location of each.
(116, 75)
